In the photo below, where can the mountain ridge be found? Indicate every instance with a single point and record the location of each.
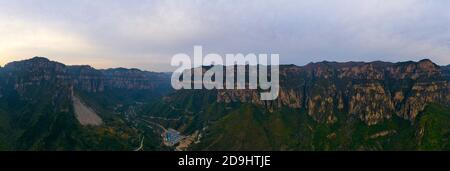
(327, 88)
(38, 110)
(321, 106)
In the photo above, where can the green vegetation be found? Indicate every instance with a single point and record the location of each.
(434, 128)
(42, 118)
(36, 113)
(249, 128)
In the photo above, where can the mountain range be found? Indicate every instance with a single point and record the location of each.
(46, 105)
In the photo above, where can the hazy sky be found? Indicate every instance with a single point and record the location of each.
(146, 34)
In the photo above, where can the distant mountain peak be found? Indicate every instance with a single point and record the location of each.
(36, 59)
(426, 60)
(36, 63)
(428, 65)
(39, 58)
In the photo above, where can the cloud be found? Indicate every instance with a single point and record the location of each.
(146, 34)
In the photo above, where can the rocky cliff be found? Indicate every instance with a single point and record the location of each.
(44, 105)
(37, 70)
(446, 71)
(318, 103)
(371, 92)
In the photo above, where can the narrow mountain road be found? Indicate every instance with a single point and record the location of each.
(141, 146)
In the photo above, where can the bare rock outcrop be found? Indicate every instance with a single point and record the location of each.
(372, 92)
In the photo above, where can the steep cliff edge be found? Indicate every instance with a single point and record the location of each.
(372, 92)
(38, 110)
(446, 71)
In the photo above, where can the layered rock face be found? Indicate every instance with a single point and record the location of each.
(38, 70)
(446, 72)
(34, 80)
(134, 79)
(371, 92)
